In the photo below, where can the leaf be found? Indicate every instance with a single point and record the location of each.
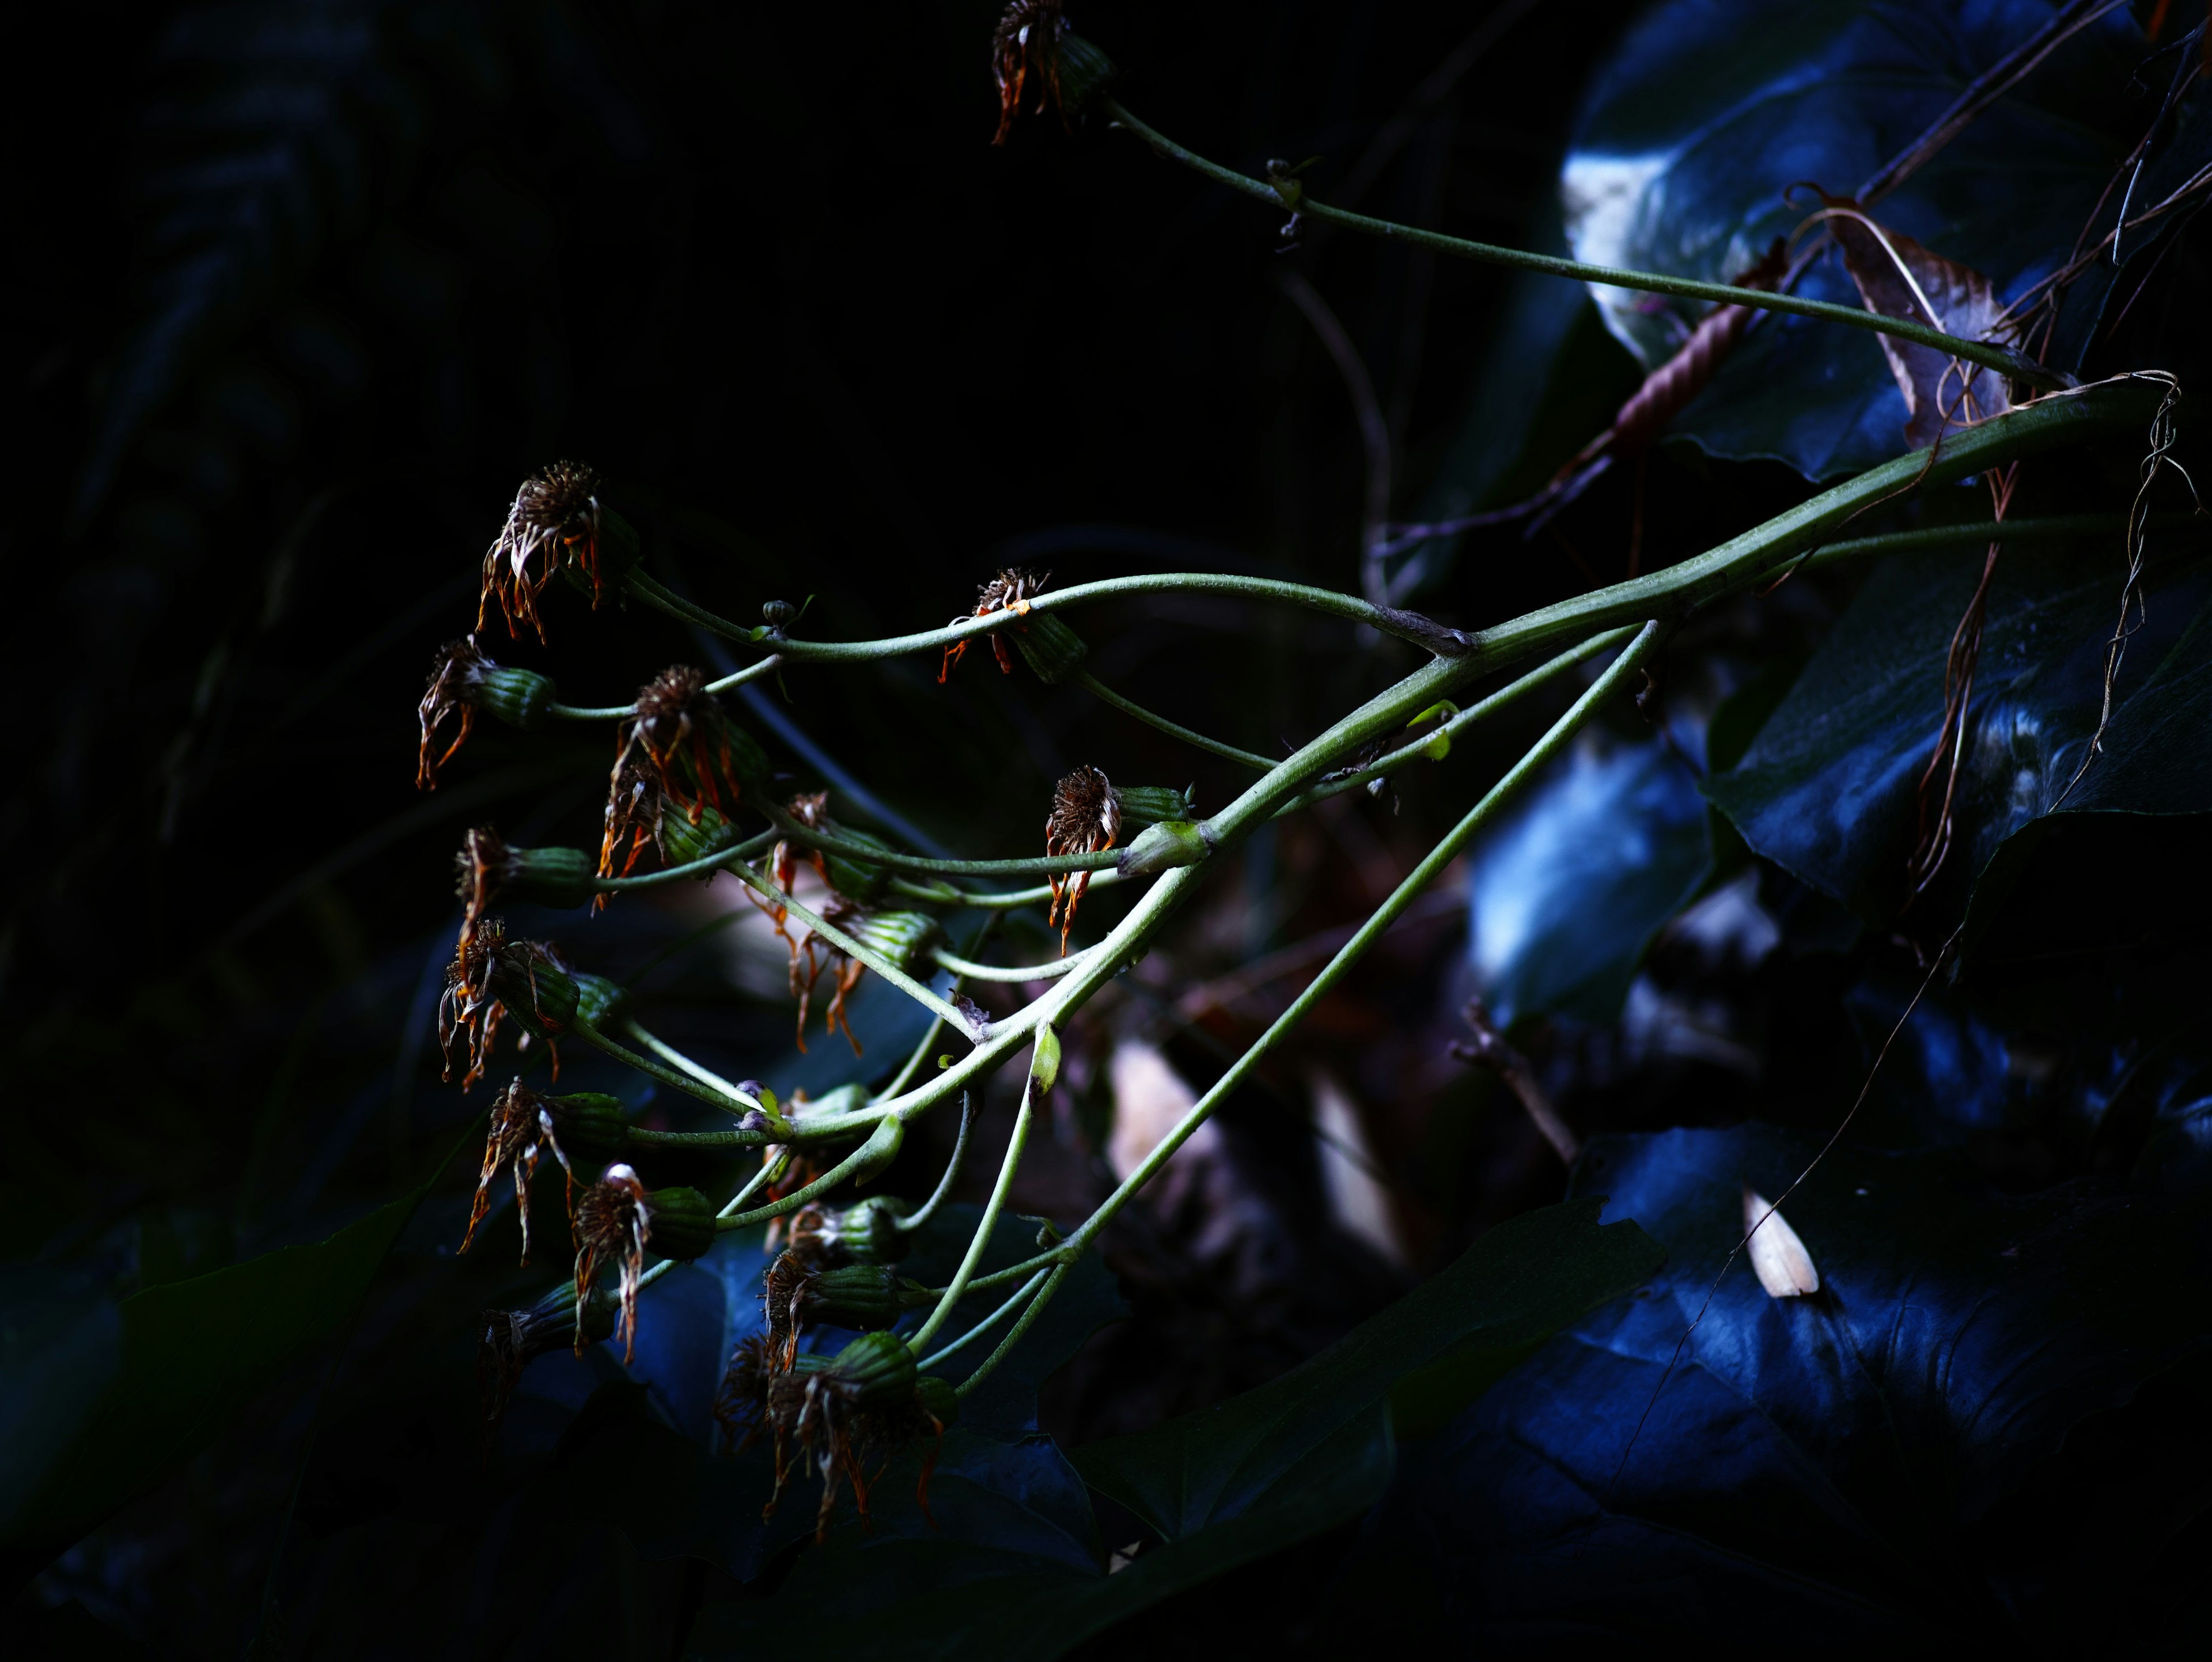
(157, 1376)
(1847, 1460)
(1826, 789)
(1573, 886)
(1899, 278)
(1014, 1568)
(1708, 111)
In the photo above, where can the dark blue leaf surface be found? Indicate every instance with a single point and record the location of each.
(1709, 110)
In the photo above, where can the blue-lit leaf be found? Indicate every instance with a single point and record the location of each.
(1708, 111)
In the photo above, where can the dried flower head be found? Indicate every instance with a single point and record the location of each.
(484, 867)
(555, 514)
(636, 807)
(865, 1401)
(583, 1129)
(1031, 44)
(456, 674)
(611, 1228)
(515, 1338)
(678, 727)
(1086, 819)
(488, 975)
(1012, 590)
(742, 1403)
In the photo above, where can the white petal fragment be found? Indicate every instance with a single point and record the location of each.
(1779, 1259)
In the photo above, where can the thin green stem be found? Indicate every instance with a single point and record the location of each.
(729, 1103)
(770, 1169)
(676, 1058)
(915, 1220)
(928, 1363)
(1416, 750)
(2003, 359)
(1764, 550)
(1041, 866)
(945, 894)
(726, 1220)
(990, 1221)
(1014, 1334)
(758, 844)
(1097, 689)
(665, 599)
(975, 971)
(852, 948)
(928, 1039)
(2055, 528)
(1555, 740)
(767, 666)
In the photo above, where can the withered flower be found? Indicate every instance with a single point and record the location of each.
(636, 807)
(865, 1400)
(1086, 819)
(742, 1402)
(463, 681)
(587, 1128)
(515, 1338)
(615, 1219)
(1012, 590)
(1034, 43)
(490, 975)
(555, 513)
(679, 729)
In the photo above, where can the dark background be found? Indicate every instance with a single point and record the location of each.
(299, 294)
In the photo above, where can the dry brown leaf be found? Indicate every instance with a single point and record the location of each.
(1899, 279)
(1778, 1258)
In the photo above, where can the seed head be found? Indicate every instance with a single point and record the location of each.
(678, 728)
(1012, 590)
(488, 975)
(456, 674)
(1086, 819)
(555, 514)
(610, 1228)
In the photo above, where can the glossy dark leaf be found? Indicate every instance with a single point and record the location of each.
(1709, 110)
(1817, 1465)
(1827, 789)
(1571, 887)
(1014, 1568)
(122, 1397)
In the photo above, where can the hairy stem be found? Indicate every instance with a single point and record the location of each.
(928, 1210)
(2003, 359)
(1097, 689)
(1051, 972)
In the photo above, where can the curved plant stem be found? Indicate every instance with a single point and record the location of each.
(1554, 741)
(852, 948)
(1097, 689)
(770, 1169)
(990, 1221)
(915, 1220)
(946, 895)
(1014, 1334)
(729, 1103)
(1041, 866)
(984, 1326)
(676, 1058)
(767, 666)
(2003, 359)
(757, 844)
(974, 972)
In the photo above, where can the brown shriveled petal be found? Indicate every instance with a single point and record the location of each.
(678, 727)
(482, 868)
(634, 808)
(1012, 590)
(519, 1132)
(1026, 44)
(818, 1413)
(610, 1228)
(554, 513)
(813, 812)
(475, 999)
(742, 1402)
(455, 674)
(783, 1295)
(1086, 819)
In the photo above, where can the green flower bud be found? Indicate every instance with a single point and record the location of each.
(856, 879)
(682, 842)
(551, 877)
(597, 997)
(880, 1149)
(616, 553)
(875, 1368)
(1147, 805)
(902, 937)
(868, 1233)
(679, 1223)
(590, 1129)
(937, 1399)
(1049, 646)
(864, 1297)
(519, 698)
(1085, 70)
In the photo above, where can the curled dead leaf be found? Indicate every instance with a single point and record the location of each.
(1898, 278)
(1778, 1258)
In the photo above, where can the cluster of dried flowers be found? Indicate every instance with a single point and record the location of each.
(867, 1403)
